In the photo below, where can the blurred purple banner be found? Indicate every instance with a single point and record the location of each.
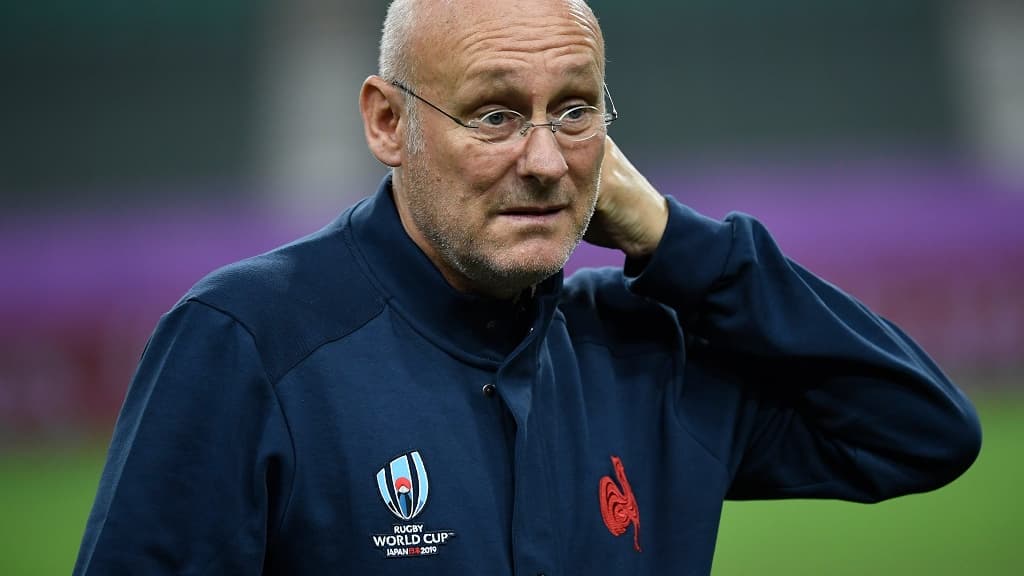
(934, 246)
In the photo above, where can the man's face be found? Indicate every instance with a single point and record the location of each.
(498, 217)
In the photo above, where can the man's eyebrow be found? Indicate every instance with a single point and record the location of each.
(581, 69)
(502, 77)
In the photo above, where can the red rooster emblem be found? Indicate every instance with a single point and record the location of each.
(618, 505)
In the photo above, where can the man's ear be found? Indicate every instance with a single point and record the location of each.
(382, 108)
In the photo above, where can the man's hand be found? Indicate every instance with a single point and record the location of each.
(631, 215)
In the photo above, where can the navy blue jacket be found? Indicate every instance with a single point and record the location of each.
(335, 407)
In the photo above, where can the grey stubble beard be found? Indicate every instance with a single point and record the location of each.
(460, 251)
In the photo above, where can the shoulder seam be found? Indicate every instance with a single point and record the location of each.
(274, 379)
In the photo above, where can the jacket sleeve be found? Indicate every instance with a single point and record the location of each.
(198, 461)
(835, 401)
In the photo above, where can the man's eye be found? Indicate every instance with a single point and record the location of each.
(576, 114)
(497, 118)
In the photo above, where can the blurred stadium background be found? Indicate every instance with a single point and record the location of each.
(143, 144)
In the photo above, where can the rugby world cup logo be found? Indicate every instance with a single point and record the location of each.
(403, 485)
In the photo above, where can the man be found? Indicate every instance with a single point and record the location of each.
(414, 389)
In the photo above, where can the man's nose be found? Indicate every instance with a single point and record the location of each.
(542, 156)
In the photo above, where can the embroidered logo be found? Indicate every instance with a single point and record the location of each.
(404, 487)
(618, 505)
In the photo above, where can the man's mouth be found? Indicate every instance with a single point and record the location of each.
(532, 211)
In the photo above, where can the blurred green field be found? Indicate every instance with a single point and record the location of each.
(971, 527)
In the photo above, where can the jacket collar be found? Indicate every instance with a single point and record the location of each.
(470, 326)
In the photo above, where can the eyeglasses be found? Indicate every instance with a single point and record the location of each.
(576, 124)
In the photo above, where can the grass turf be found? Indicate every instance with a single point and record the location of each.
(969, 527)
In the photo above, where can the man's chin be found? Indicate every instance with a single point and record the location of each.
(511, 267)
(506, 279)
(514, 277)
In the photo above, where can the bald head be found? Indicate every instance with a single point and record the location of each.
(417, 33)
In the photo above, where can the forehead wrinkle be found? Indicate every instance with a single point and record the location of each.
(504, 50)
(541, 35)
